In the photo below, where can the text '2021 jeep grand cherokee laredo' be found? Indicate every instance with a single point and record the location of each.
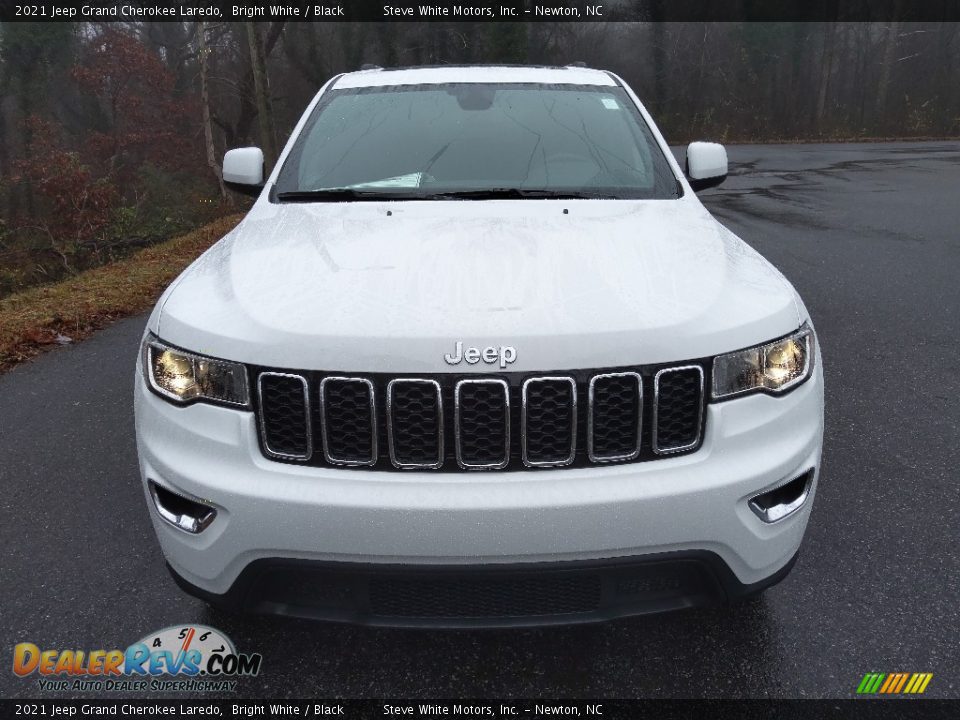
(478, 355)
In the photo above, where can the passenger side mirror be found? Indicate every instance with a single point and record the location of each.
(706, 165)
(243, 170)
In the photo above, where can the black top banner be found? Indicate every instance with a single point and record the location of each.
(486, 708)
(481, 10)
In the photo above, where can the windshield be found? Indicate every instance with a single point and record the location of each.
(476, 140)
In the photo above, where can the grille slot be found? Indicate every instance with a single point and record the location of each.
(548, 424)
(615, 424)
(677, 408)
(349, 420)
(500, 596)
(482, 424)
(415, 423)
(285, 416)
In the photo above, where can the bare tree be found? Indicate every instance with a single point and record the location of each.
(204, 53)
(826, 68)
(261, 84)
(889, 50)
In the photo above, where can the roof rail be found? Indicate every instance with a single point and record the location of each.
(577, 64)
(370, 66)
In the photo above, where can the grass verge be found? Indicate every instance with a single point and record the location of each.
(42, 317)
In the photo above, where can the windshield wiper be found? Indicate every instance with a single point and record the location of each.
(512, 193)
(504, 193)
(343, 194)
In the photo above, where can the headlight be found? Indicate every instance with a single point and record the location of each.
(184, 377)
(775, 367)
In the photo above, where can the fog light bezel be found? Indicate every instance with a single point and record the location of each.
(777, 511)
(192, 524)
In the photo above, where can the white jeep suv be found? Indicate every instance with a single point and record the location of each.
(478, 356)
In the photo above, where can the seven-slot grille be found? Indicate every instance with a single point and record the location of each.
(449, 422)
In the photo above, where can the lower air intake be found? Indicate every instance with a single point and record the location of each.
(478, 597)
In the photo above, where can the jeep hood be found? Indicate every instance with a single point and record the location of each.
(392, 286)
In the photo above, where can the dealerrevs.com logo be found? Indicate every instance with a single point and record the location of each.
(182, 657)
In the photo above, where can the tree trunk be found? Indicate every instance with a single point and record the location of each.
(889, 49)
(794, 114)
(261, 88)
(204, 53)
(826, 67)
(659, 59)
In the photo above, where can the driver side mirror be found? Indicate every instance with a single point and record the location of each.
(706, 165)
(243, 170)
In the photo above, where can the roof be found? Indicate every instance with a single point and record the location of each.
(475, 73)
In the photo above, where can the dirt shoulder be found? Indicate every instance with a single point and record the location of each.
(40, 318)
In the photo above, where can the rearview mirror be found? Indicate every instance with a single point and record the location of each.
(243, 170)
(706, 165)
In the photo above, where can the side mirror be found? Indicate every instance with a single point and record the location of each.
(706, 165)
(243, 170)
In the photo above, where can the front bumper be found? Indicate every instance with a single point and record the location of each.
(687, 508)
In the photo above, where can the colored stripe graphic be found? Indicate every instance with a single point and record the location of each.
(918, 683)
(903, 679)
(870, 683)
(892, 680)
(898, 681)
(894, 683)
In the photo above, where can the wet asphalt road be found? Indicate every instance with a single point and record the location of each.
(869, 236)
